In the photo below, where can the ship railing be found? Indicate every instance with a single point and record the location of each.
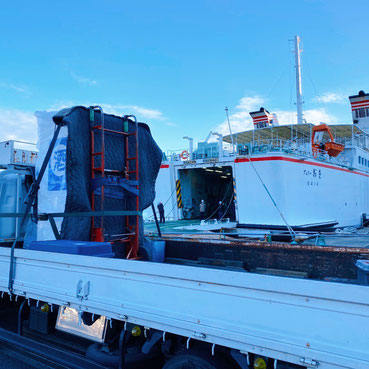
(261, 146)
(339, 160)
(20, 153)
(274, 145)
(210, 153)
(357, 140)
(299, 147)
(361, 141)
(174, 155)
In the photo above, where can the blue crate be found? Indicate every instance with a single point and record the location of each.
(101, 249)
(362, 267)
(155, 250)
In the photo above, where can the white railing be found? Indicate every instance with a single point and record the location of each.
(14, 152)
(175, 155)
(300, 147)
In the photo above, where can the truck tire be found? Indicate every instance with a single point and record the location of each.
(192, 359)
(134, 357)
(108, 359)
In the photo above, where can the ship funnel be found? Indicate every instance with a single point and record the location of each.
(360, 109)
(262, 118)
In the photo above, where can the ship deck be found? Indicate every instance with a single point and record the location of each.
(193, 229)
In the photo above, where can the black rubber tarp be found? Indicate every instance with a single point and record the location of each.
(78, 170)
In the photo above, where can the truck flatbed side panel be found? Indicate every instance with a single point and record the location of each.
(286, 318)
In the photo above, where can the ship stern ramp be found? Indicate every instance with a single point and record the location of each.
(211, 184)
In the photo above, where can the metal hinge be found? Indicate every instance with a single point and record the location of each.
(201, 336)
(83, 289)
(309, 362)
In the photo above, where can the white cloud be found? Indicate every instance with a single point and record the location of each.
(315, 116)
(59, 105)
(331, 97)
(17, 88)
(18, 125)
(241, 120)
(139, 111)
(22, 125)
(116, 109)
(250, 103)
(83, 80)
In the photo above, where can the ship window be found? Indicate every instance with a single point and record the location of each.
(362, 112)
(356, 113)
(359, 159)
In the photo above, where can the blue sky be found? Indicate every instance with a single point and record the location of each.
(177, 64)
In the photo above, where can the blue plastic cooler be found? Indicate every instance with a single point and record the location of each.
(101, 249)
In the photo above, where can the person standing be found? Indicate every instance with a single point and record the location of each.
(161, 212)
(220, 210)
(233, 210)
(202, 209)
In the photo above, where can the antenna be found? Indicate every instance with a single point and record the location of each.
(229, 126)
(299, 101)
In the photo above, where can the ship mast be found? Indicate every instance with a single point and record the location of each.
(299, 101)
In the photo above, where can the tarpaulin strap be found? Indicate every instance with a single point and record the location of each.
(54, 227)
(35, 202)
(30, 201)
(45, 216)
(110, 182)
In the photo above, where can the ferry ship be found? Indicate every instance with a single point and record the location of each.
(299, 175)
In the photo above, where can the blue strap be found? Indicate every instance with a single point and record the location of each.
(113, 186)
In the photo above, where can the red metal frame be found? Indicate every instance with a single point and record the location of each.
(97, 233)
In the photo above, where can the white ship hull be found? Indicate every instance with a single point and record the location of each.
(307, 191)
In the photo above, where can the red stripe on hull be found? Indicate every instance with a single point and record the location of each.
(354, 103)
(271, 158)
(260, 120)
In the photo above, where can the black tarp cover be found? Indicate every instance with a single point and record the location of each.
(78, 169)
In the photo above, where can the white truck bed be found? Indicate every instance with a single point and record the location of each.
(295, 320)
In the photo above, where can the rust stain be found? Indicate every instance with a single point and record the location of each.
(266, 245)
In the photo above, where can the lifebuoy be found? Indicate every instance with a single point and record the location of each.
(184, 155)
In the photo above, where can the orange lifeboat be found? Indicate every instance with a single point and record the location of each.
(331, 147)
